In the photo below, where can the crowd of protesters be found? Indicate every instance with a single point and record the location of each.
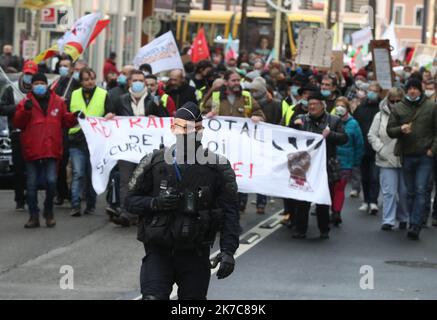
(382, 143)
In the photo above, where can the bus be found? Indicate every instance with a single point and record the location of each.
(219, 24)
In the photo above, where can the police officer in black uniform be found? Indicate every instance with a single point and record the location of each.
(184, 196)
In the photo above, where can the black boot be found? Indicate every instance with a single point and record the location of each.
(414, 232)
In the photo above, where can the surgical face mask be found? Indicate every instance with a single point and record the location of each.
(295, 90)
(27, 79)
(373, 96)
(303, 102)
(138, 87)
(326, 93)
(40, 90)
(63, 71)
(429, 93)
(362, 85)
(407, 75)
(122, 80)
(76, 75)
(411, 99)
(340, 111)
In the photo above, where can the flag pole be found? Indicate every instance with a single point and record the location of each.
(14, 87)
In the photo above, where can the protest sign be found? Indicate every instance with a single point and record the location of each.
(315, 47)
(162, 54)
(424, 56)
(267, 159)
(382, 63)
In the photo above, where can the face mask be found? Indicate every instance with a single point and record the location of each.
(122, 80)
(373, 96)
(76, 76)
(303, 102)
(407, 75)
(295, 90)
(362, 85)
(412, 99)
(63, 71)
(326, 93)
(429, 93)
(27, 79)
(138, 87)
(340, 111)
(40, 90)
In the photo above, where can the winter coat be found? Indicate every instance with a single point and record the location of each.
(423, 117)
(42, 132)
(351, 154)
(383, 145)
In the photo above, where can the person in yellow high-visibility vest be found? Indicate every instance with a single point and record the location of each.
(231, 100)
(92, 101)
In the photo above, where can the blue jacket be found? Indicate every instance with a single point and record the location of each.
(350, 154)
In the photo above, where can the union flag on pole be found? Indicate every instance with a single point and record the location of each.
(78, 39)
(199, 49)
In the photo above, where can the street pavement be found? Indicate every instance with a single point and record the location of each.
(272, 266)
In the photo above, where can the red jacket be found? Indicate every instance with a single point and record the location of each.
(42, 135)
(110, 66)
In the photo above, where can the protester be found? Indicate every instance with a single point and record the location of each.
(349, 155)
(392, 181)
(9, 62)
(110, 66)
(41, 116)
(365, 114)
(413, 122)
(179, 90)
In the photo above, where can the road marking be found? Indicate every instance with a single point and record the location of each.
(261, 235)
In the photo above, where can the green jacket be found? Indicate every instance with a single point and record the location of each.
(423, 117)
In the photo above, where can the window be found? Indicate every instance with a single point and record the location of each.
(399, 15)
(419, 16)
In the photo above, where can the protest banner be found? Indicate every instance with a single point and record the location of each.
(267, 159)
(315, 47)
(162, 54)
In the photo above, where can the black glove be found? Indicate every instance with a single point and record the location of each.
(227, 265)
(28, 105)
(80, 115)
(166, 203)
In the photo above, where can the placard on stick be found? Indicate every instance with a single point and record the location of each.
(382, 63)
(315, 47)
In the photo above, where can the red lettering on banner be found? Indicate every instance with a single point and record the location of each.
(135, 122)
(236, 169)
(116, 122)
(161, 121)
(251, 171)
(152, 119)
(96, 125)
(104, 130)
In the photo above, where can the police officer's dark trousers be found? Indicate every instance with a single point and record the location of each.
(190, 270)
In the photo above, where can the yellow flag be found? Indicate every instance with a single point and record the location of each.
(39, 4)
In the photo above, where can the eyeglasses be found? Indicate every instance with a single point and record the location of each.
(190, 128)
(394, 101)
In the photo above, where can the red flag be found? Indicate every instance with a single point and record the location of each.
(102, 24)
(199, 49)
